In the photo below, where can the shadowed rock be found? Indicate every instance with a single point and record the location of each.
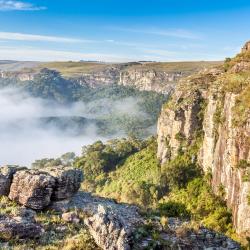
(67, 181)
(6, 176)
(18, 227)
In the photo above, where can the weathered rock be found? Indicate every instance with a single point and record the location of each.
(11, 228)
(67, 181)
(180, 236)
(6, 176)
(225, 145)
(222, 155)
(246, 47)
(111, 224)
(71, 217)
(109, 230)
(32, 189)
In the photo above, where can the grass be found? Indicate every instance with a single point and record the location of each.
(74, 69)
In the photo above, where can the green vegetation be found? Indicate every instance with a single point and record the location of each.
(198, 201)
(117, 170)
(137, 180)
(178, 189)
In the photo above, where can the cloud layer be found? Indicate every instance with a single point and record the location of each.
(9, 5)
(40, 38)
(34, 128)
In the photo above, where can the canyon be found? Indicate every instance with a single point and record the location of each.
(204, 110)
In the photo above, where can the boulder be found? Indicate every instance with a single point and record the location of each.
(6, 176)
(32, 189)
(16, 228)
(109, 230)
(67, 181)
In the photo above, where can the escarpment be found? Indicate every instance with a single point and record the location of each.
(145, 76)
(211, 110)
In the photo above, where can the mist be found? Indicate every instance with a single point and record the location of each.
(28, 133)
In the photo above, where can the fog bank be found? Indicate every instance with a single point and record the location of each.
(25, 136)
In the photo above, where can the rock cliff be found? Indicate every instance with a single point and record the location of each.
(158, 77)
(211, 109)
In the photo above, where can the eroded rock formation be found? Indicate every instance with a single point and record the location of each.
(37, 188)
(204, 104)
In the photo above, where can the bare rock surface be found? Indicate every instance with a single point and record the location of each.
(67, 181)
(109, 229)
(32, 189)
(111, 224)
(37, 188)
(179, 236)
(6, 176)
(113, 227)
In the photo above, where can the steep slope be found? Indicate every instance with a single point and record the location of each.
(211, 110)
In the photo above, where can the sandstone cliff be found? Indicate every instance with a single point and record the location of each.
(212, 108)
(158, 77)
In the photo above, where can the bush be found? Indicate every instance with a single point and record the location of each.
(180, 171)
(173, 209)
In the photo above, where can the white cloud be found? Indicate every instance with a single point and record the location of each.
(34, 54)
(42, 38)
(10, 5)
(177, 33)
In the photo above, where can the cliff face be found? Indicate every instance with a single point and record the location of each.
(224, 155)
(158, 77)
(150, 80)
(213, 104)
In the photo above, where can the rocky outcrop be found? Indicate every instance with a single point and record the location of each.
(150, 80)
(67, 181)
(36, 189)
(6, 176)
(115, 226)
(223, 155)
(145, 80)
(202, 105)
(179, 235)
(109, 230)
(32, 189)
(246, 47)
(112, 225)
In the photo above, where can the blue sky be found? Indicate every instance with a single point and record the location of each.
(123, 30)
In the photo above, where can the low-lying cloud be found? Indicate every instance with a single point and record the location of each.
(29, 128)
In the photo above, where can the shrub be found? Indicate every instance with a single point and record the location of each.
(173, 209)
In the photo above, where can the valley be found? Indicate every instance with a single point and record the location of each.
(162, 161)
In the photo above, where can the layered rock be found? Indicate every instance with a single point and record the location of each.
(150, 80)
(195, 106)
(6, 176)
(32, 189)
(223, 155)
(67, 181)
(36, 189)
(109, 230)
